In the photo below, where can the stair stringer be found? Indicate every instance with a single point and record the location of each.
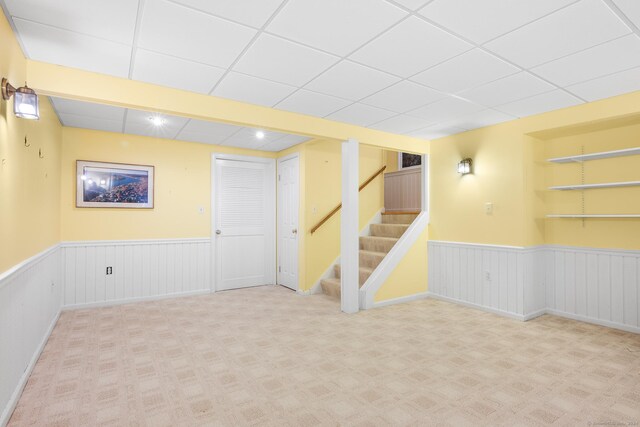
(390, 262)
(329, 272)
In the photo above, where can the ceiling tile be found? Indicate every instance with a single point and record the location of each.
(607, 58)
(481, 119)
(351, 81)
(412, 4)
(139, 123)
(336, 26)
(361, 115)
(174, 72)
(608, 86)
(246, 138)
(250, 12)
(176, 30)
(88, 109)
(283, 143)
(252, 89)
(207, 132)
(631, 8)
(508, 89)
(312, 103)
(61, 47)
(113, 20)
(484, 20)
(577, 27)
(437, 131)
(446, 109)
(410, 47)
(542, 103)
(471, 69)
(403, 96)
(85, 122)
(401, 124)
(283, 61)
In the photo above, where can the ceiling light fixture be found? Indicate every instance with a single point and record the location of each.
(260, 134)
(25, 100)
(156, 120)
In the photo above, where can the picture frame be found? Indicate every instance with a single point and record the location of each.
(408, 160)
(114, 185)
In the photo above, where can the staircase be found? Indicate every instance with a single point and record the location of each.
(373, 248)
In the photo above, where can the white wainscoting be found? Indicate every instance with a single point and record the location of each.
(142, 270)
(499, 279)
(596, 285)
(600, 286)
(30, 302)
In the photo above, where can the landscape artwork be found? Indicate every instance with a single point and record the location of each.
(114, 185)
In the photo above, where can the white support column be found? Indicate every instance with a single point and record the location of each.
(425, 183)
(349, 236)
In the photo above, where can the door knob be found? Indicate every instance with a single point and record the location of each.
(294, 231)
(218, 231)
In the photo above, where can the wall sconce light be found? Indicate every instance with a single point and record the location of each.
(464, 167)
(25, 100)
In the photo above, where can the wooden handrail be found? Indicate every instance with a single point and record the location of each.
(337, 208)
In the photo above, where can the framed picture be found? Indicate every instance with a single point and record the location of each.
(408, 160)
(113, 185)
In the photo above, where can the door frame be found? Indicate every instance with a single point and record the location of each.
(300, 233)
(271, 208)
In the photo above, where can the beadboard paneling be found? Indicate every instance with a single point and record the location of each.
(600, 286)
(497, 278)
(403, 190)
(30, 302)
(141, 270)
(597, 285)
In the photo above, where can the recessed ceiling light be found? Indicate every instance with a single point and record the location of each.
(259, 134)
(156, 120)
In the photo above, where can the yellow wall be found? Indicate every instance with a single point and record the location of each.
(29, 185)
(511, 172)
(602, 233)
(458, 202)
(323, 193)
(182, 185)
(410, 276)
(391, 161)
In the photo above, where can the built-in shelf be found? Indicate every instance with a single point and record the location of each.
(594, 216)
(592, 186)
(596, 156)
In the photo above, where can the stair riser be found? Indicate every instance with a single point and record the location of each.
(375, 245)
(398, 219)
(330, 289)
(388, 230)
(369, 260)
(363, 276)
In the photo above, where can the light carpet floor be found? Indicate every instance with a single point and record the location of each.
(266, 356)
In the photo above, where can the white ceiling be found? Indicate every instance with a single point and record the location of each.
(426, 68)
(116, 119)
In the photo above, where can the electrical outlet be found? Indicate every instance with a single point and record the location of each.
(109, 270)
(487, 276)
(488, 208)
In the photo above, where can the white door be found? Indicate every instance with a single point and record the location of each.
(288, 201)
(244, 222)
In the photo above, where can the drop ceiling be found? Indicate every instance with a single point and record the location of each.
(125, 120)
(416, 67)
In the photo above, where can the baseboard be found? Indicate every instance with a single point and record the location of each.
(502, 313)
(401, 300)
(15, 397)
(535, 314)
(134, 300)
(606, 323)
